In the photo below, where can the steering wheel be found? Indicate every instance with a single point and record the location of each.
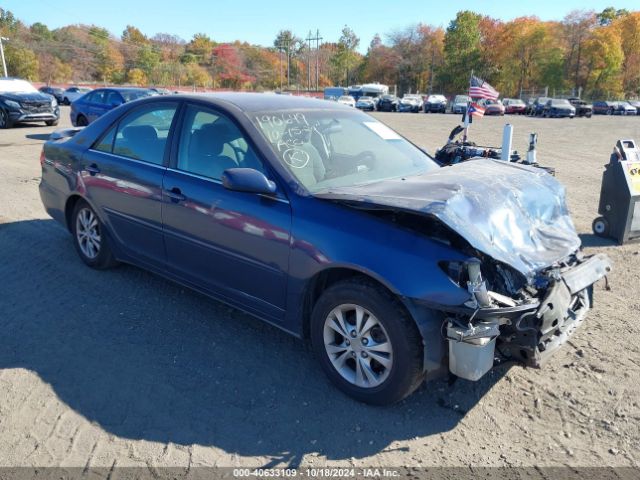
(367, 158)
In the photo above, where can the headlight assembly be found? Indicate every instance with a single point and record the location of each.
(12, 104)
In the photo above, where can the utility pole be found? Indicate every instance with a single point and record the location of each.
(284, 45)
(309, 38)
(317, 38)
(4, 63)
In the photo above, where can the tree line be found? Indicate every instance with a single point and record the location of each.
(596, 53)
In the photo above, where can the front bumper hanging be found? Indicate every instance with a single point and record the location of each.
(530, 332)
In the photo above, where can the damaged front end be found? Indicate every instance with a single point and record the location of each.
(528, 285)
(527, 324)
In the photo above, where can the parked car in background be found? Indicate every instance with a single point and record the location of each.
(604, 107)
(160, 91)
(71, 94)
(558, 108)
(624, 108)
(459, 104)
(492, 107)
(366, 103)
(347, 100)
(98, 102)
(635, 104)
(536, 108)
(583, 109)
(411, 103)
(334, 93)
(352, 237)
(514, 106)
(20, 102)
(388, 103)
(56, 92)
(435, 104)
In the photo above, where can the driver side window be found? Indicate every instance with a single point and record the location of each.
(210, 143)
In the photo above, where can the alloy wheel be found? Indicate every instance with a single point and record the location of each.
(358, 345)
(88, 233)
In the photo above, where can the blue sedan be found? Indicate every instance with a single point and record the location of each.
(326, 223)
(97, 102)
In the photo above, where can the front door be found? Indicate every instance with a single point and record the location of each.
(233, 244)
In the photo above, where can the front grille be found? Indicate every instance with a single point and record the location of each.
(36, 107)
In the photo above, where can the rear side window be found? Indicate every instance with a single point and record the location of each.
(142, 134)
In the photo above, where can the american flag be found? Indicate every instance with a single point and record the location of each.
(475, 110)
(478, 88)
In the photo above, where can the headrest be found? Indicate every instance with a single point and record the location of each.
(138, 133)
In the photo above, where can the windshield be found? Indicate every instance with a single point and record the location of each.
(346, 99)
(436, 98)
(135, 94)
(326, 149)
(461, 99)
(515, 101)
(560, 101)
(16, 86)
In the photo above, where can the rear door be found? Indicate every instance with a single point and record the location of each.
(94, 103)
(232, 244)
(122, 175)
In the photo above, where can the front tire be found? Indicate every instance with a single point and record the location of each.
(5, 120)
(90, 237)
(366, 342)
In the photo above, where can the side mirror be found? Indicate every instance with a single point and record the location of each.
(247, 180)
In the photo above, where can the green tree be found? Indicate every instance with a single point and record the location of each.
(346, 58)
(609, 14)
(289, 45)
(148, 59)
(21, 62)
(461, 51)
(200, 46)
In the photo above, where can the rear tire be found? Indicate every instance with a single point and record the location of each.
(81, 121)
(90, 237)
(51, 123)
(374, 326)
(65, 101)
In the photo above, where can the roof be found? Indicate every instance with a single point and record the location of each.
(257, 102)
(126, 89)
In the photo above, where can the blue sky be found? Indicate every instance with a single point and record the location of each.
(258, 21)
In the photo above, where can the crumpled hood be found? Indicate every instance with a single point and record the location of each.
(514, 213)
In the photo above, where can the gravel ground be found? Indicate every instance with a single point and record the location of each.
(124, 368)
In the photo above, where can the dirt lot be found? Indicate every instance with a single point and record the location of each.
(124, 368)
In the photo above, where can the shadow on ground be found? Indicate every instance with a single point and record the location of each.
(592, 240)
(148, 359)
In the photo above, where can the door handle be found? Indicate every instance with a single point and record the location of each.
(93, 169)
(175, 194)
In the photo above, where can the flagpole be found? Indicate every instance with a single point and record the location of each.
(466, 113)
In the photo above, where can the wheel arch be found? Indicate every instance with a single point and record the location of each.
(71, 203)
(324, 279)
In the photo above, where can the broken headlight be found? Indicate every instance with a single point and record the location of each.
(468, 275)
